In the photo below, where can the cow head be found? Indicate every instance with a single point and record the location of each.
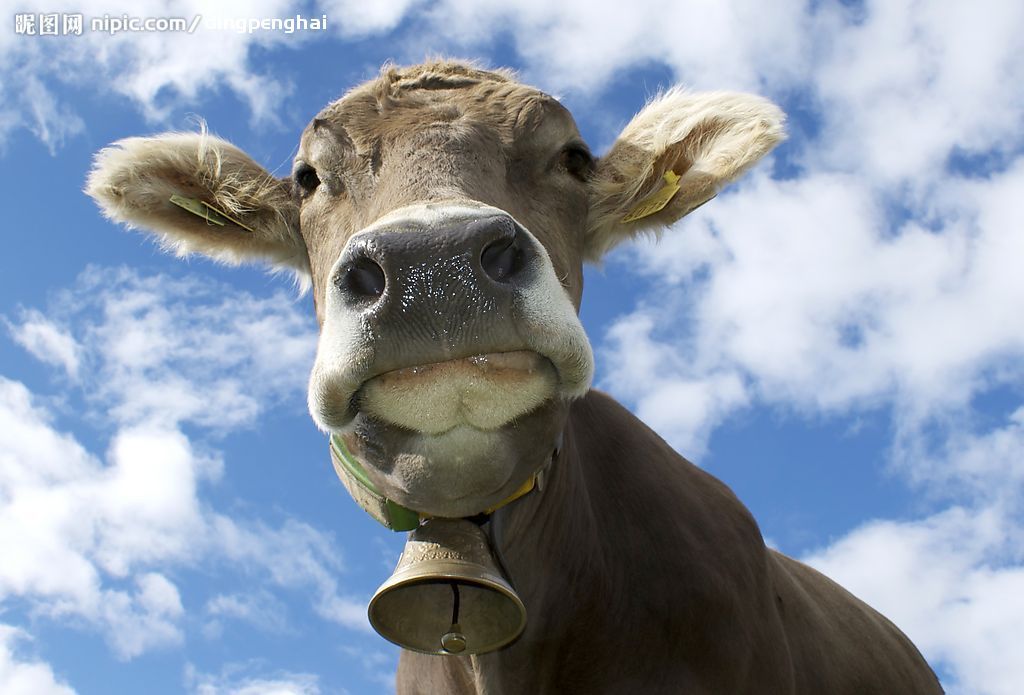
(442, 215)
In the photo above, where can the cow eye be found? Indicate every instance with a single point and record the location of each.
(577, 161)
(306, 179)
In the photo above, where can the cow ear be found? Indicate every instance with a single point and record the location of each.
(198, 193)
(674, 156)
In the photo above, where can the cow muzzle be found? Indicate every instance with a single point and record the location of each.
(441, 315)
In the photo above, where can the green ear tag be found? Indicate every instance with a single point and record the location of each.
(209, 213)
(657, 201)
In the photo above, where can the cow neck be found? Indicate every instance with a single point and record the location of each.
(393, 515)
(556, 520)
(549, 544)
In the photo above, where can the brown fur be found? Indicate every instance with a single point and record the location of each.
(641, 573)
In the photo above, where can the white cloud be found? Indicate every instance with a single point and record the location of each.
(236, 680)
(710, 44)
(47, 342)
(912, 82)
(260, 609)
(21, 677)
(798, 293)
(147, 618)
(71, 527)
(295, 556)
(956, 457)
(151, 69)
(954, 582)
(49, 120)
(355, 18)
(800, 286)
(100, 539)
(682, 399)
(161, 337)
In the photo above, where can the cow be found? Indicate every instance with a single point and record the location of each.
(442, 215)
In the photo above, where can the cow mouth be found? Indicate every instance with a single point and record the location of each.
(484, 391)
(492, 365)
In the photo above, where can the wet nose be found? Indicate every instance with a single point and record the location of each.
(502, 254)
(362, 279)
(485, 256)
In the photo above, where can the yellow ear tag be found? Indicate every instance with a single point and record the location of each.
(657, 201)
(209, 213)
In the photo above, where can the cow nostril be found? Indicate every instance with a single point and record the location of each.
(501, 259)
(363, 278)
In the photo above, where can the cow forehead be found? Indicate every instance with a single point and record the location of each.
(402, 102)
(444, 133)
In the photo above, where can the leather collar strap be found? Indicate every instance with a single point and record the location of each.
(388, 512)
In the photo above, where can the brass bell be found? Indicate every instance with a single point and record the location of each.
(447, 595)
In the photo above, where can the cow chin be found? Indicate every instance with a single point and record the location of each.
(462, 471)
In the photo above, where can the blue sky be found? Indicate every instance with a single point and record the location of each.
(839, 337)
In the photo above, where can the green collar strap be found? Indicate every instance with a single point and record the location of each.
(388, 512)
(367, 495)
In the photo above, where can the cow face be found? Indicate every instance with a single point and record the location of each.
(442, 215)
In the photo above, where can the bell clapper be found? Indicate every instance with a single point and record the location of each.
(454, 641)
